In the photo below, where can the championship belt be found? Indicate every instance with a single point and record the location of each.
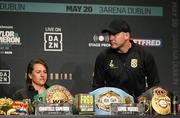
(161, 103)
(57, 94)
(156, 100)
(10, 107)
(58, 102)
(106, 96)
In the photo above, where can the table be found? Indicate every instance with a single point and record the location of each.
(92, 116)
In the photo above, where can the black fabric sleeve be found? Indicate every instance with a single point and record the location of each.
(151, 71)
(20, 94)
(25, 93)
(99, 73)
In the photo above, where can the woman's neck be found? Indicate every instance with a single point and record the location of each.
(39, 88)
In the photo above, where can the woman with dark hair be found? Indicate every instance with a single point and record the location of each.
(36, 81)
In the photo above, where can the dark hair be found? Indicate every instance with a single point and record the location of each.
(31, 67)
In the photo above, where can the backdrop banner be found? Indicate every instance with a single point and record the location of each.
(67, 35)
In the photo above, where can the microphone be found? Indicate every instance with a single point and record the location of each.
(146, 83)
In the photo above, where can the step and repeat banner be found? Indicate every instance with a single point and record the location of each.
(67, 35)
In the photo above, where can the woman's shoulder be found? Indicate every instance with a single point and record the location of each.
(22, 90)
(20, 94)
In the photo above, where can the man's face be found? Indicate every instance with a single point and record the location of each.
(118, 40)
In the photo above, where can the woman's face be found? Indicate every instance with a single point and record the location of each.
(38, 75)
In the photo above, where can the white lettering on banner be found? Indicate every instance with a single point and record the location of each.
(52, 41)
(99, 41)
(103, 41)
(148, 42)
(49, 29)
(53, 29)
(6, 27)
(9, 37)
(7, 33)
(4, 76)
(94, 44)
(105, 45)
(57, 29)
(8, 40)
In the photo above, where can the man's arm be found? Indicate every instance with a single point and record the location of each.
(99, 73)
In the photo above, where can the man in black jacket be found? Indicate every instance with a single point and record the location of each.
(124, 65)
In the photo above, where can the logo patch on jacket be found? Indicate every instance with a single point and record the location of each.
(134, 63)
(111, 65)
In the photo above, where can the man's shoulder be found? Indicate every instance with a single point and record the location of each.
(139, 48)
(104, 53)
(142, 51)
(107, 51)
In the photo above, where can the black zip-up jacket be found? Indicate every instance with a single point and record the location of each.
(26, 93)
(133, 72)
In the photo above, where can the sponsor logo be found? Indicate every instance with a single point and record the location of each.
(53, 39)
(148, 42)
(4, 76)
(111, 65)
(100, 41)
